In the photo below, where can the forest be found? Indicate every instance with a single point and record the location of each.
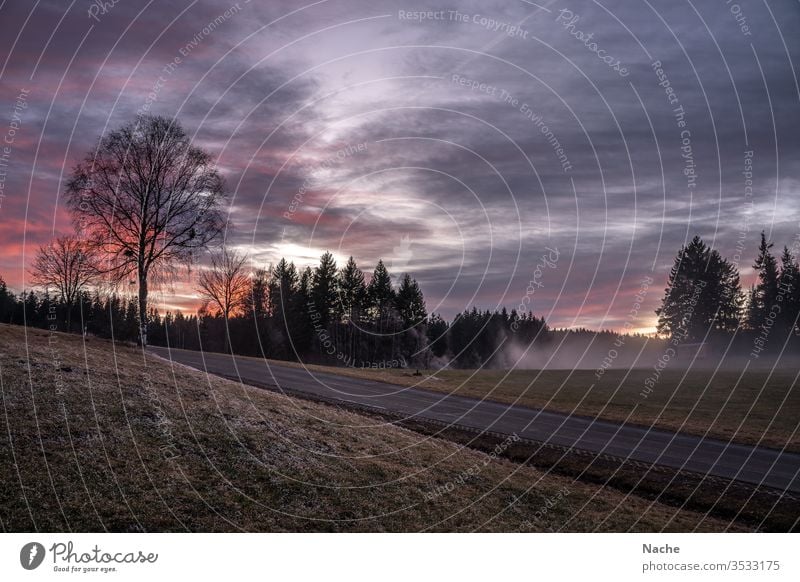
(147, 201)
(322, 315)
(341, 316)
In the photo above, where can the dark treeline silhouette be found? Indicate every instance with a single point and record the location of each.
(318, 315)
(704, 301)
(482, 338)
(104, 316)
(340, 316)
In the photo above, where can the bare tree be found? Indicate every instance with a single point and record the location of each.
(148, 200)
(225, 285)
(67, 264)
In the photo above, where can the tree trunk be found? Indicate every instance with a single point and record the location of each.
(228, 344)
(143, 308)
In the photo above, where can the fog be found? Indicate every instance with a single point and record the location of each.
(586, 350)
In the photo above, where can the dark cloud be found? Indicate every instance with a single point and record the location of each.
(463, 186)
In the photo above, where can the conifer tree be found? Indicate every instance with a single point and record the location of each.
(409, 302)
(703, 294)
(324, 290)
(379, 290)
(301, 328)
(352, 290)
(282, 287)
(766, 290)
(789, 290)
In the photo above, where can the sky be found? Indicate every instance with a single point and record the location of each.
(550, 155)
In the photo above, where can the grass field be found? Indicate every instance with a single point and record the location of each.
(97, 437)
(757, 407)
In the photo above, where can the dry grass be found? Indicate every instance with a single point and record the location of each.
(86, 429)
(757, 407)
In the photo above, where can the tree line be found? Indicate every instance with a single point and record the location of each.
(704, 300)
(341, 316)
(146, 201)
(323, 314)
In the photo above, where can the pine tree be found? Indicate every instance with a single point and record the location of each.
(324, 291)
(703, 294)
(257, 298)
(305, 286)
(115, 315)
(463, 338)
(722, 297)
(32, 315)
(132, 321)
(409, 302)
(7, 303)
(352, 304)
(47, 309)
(675, 316)
(410, 307)
(282, 287)
(256, 312)
(84, 311)
(301, 328)
(766, 290)
(352, 290)
(282, 300)
(789, 290)
(437, 335)
(379, 291)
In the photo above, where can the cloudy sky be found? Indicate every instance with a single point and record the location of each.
(459, 141)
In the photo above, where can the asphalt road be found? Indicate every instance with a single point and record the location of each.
(758, 465)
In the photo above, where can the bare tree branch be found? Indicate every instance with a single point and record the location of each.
(67, 264)
(225, 284)
(148, 200)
